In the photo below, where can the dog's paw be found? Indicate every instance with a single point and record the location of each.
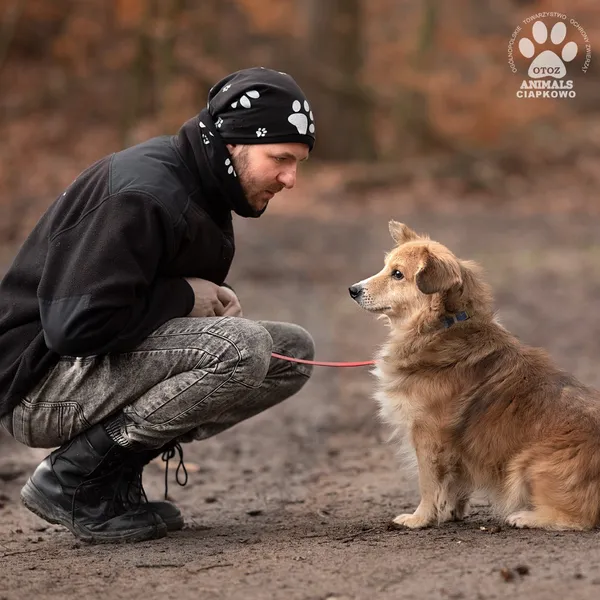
(413, 521)
(552, 522)
(522, 519)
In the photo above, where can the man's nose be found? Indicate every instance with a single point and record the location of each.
(355, 290)
(288, 178)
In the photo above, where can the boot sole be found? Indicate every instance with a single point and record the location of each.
(33, 499)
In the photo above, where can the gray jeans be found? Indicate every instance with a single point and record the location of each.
(191, 379)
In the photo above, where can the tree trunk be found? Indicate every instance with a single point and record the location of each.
(411, 111)
(342, 106)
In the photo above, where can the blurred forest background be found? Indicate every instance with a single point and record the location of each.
(403, 91)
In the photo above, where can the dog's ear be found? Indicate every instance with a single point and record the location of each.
(437, 273)
(401, 233)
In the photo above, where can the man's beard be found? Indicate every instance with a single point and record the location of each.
(241, 164)
(252, 188)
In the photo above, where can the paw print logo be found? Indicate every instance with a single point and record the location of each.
(219, 122)
(205, 139)
(302, 121)
(548, 63)
(245, 99)
(229, 167)
(261, 132)
(226, 87)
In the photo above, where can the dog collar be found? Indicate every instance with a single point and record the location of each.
(449, 320)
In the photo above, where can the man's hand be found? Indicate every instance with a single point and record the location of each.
(208, 303)
(213, 300)
(230, 301)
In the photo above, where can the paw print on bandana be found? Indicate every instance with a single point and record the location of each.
(261, 132)
(219, 122)
(230, 168)
(205, 139)
(245, 99)
(225, 88)
(300, 120)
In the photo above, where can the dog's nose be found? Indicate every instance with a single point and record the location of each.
(355, 291)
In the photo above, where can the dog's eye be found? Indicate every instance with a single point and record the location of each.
(397, 274)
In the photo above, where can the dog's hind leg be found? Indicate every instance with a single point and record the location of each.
(562, 494)
(545, 518)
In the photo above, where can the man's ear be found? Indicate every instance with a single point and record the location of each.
(401, 233)
(236, 150)
(437, 273)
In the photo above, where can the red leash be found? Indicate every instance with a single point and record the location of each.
(363, 363)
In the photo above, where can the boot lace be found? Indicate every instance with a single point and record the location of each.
(169, 454)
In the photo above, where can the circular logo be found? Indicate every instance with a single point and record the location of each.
(548, 49)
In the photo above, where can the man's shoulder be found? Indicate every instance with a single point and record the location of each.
(153, 168)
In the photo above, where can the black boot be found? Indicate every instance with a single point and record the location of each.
(135, 494)
(80, 486)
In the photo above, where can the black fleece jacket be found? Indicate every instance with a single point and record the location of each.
(105, 265)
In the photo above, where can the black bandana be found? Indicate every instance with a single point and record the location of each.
(261, 106)
(215, 166)
(253, 106)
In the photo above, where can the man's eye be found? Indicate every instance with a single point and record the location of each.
(397, 274)
(279, 159)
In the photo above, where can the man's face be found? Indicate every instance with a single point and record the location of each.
(266, 169)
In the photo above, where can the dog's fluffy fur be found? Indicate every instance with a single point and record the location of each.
(481, 410)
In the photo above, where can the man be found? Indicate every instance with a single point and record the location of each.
(118, 336)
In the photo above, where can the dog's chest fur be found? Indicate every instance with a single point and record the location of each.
(398, 412)
(395, 407)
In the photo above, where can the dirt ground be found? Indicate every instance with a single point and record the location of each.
(295, 503)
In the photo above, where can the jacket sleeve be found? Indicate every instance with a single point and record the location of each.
(101, 291)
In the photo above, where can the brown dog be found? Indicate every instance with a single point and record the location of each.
(481, 411)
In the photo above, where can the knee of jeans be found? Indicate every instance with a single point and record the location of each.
(302, 342)
(254, 345)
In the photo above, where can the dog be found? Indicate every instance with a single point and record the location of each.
(479, 410)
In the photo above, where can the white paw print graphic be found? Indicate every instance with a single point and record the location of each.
(230, 168)
(205, 139)
(548, 63)
(261, 132)
(219, 122)
(299, 119)
(226, 87)
(245, 99)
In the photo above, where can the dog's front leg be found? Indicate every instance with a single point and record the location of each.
(430, 488)
(452, 496)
